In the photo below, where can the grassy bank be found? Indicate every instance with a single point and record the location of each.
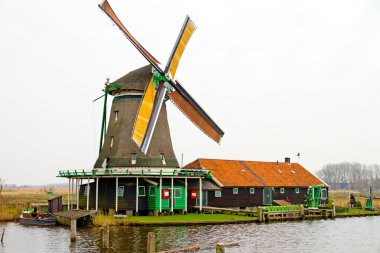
(100, 220)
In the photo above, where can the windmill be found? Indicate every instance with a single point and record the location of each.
(150, 120)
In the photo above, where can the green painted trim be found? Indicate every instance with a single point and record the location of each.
(127, 96)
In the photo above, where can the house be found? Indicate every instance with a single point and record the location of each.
(249, 183)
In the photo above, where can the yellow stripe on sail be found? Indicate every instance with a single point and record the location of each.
(142, 119)
(188, 31)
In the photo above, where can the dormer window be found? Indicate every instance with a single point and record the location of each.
(116, 116)
(133, 158)
(163, 159)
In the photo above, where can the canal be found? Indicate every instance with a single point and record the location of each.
(339, 235)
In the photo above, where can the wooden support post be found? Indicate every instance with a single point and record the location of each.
(106, 237)
(88, 193)
(172, 197)
(68, 196)
(219, 248)
(160, 194)
(97, 194)
(185, 194)
(137, 196)
(116, 194)
(200, 195)
(151, 245)
(2, 236)
(260, 214)
(73, 231)
(333, 213)
(302, 212)
(77, 192)
(72, 193)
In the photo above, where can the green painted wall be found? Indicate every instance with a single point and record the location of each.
(154, 201)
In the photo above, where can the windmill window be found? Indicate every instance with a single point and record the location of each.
(111, 142)
(324, 194)
(152, 191)
(297, 190)
(116, 115)
(218, 194)
(163, 159)
(120, 191)
(251, 190)
(133, 158)
(235, 190)
(282, 190)
(141, 191)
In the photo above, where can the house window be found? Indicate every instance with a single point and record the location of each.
(235, 190)
(251, 190)
(163, 159)
(218, 194)
(282, 190)
(152, 190)
(116, 115)
(120, 191)
(297, 190)
(324, 194)
(141, 191)
(177, 193)
(133, 158)
(111, 142)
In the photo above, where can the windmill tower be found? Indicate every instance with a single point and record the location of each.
(138, 133)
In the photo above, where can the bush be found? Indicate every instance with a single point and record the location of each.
(358, 204)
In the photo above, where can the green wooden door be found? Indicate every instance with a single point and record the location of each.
(267, 196)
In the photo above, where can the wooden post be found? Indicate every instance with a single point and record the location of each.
(160, 194)
(68, 197)
(333, 213)
(151, 245)
(88, 193)
(219, 248)
(302, 212)
(260, 214)
(200, 195)
(185, 194)
(116, 194)
(97, 194)
(73, 231)
(77, 193)
(2, 236)
(137, 196)
(106, 237)
(172, 197)
(72, 193)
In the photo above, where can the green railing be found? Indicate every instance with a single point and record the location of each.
(280, 208)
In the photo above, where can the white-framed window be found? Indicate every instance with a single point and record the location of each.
(111, 141)
(163, 159)
(297, 190)
(324, 194)
(133, 158)
(218, 194)
(251, 190)
(177, 193)
(120, 191)
(282, 190)
(116, 115)
(152, 191)
(141, 191)
(235, 190)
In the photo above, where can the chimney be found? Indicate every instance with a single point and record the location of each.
(287, 159)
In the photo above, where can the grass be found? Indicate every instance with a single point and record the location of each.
(13, 201)
(101, 220)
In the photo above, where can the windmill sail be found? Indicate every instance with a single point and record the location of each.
(106, 7)
(183, 38)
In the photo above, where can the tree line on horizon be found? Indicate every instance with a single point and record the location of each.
(352, 176)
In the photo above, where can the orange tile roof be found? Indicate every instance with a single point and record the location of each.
(232, 173)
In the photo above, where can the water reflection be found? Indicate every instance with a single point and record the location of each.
(340, 235)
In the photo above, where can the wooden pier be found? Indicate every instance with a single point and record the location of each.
(65, 217)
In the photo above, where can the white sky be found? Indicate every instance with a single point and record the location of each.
(279, 77)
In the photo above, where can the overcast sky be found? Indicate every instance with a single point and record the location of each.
(279, 77)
